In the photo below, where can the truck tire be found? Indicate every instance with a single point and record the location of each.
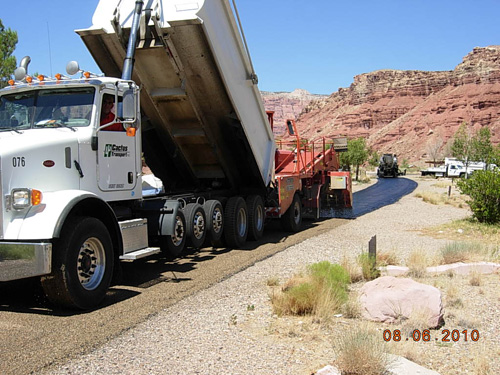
(174, 245)
(215, 221)
(196, 228)
(291, 221)
(236, 222)
(82, 265)
(256, 217)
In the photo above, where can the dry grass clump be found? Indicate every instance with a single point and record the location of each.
(273, 281)
(363, 268)
(418, 320)
(442, 184)
(353, 269)
(389, 257)
(321, 292)
(417, 262)
(453, 296)
(467, 252)
(475, 278)
(436, 198)
(351, 309)
(470, 230)
(360, 351)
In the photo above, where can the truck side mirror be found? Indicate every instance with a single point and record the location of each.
(127, 109)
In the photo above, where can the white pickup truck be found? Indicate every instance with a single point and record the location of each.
(454, 168)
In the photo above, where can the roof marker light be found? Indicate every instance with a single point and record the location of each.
(11, 82)
(58, 76)
(29, 79)
(86, 75)
(41, 77)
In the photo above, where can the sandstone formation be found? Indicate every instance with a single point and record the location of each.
(412, 113)
(388, 299)
(287, 105)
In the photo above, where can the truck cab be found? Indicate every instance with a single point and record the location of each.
(58, 124)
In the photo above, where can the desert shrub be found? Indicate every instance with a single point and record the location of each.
(360, 351)
(368, 268)
(322, 291)
(483, 188)
(333, 274)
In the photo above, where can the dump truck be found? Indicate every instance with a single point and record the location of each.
(179, 94)
(388, 166)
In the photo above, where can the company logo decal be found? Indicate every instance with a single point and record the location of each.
(115, 151)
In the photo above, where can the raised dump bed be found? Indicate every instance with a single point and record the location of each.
(204, 124)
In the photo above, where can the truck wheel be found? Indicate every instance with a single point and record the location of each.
(236, 222)
(82, 265)
(196, 229)
(174, 244)
(291, 221)
(215, 220)
(256, 217)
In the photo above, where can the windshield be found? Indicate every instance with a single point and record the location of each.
(49, 108)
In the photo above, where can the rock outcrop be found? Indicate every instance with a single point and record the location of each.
(411, 113)
(287, 105)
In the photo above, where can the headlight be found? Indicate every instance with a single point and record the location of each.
(25, 198)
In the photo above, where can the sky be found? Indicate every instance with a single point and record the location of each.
(316, 45)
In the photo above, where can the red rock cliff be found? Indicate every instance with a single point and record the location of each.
(412, 112)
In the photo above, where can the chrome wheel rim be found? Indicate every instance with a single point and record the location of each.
(198, 225)
(241, 222)
(91, 263)
(217, 220)
(178, 235)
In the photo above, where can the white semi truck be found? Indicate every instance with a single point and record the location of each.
(186, 102)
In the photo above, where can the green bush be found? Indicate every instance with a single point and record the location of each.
(483, 188)
(333, 274)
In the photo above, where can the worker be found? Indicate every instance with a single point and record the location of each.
(107, 114)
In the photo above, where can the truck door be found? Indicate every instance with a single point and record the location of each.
(116, 161)
(117, 169)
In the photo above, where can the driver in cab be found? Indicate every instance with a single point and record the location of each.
(107, 114)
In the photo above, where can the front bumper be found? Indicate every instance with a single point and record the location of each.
(20, 260)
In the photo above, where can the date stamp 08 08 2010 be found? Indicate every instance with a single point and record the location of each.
(425, 335)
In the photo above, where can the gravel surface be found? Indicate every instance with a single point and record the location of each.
(230, 328)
